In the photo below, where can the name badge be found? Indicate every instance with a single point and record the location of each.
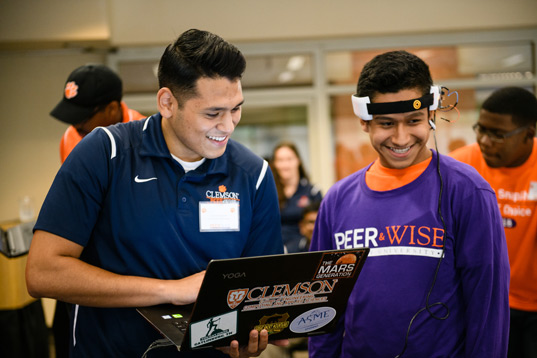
(219, 216)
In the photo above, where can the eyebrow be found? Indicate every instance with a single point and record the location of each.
(387, 117)
(492, 129)
(224, 108)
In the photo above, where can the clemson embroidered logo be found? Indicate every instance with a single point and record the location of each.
(222, 194)
(71, 90)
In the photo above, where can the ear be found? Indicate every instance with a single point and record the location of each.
(432, 120)
(166, 102)
(365, 125)
(115, 106)
(531, 132)
(112, 113)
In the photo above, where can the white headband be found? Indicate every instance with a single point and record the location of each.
(360, 104)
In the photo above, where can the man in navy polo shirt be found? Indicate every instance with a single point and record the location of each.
(138, 209)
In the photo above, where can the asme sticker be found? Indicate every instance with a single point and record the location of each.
(313, 319)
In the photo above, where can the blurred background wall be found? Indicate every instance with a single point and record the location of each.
(41, 42)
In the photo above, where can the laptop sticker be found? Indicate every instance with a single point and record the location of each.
(302, 293)
(235, 297)
(313, 319)
(335, 266)
(274, 323)
(213, 329)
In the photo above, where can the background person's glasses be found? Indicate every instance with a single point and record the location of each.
(494, 136)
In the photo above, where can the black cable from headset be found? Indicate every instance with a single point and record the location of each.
(427, 306)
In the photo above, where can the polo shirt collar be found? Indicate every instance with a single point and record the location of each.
(154, 145)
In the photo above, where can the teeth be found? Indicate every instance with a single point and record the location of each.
(218, 139)
(400, 150)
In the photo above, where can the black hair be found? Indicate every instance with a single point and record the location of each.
(196, 54)
(392, 72)
(518, 102)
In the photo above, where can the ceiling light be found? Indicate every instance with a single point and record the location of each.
(295, 63)
(513, 60)
(286, 76)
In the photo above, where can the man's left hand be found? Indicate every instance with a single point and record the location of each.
(257, 343)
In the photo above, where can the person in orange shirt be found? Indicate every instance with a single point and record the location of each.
(91, 98)
(505, 154)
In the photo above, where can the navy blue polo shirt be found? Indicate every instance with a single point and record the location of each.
(135, 211)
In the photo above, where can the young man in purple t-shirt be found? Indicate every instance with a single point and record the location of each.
(437, 277)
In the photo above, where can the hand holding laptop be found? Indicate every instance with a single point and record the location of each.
(258, 343)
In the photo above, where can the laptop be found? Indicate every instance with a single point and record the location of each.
(289, 295)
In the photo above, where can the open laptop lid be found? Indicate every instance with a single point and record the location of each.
(289, 295)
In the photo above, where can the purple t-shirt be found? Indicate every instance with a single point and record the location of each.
(405, 233)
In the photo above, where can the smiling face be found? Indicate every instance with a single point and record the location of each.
(202, 126)
(400, 139)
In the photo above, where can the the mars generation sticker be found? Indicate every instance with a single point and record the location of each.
(213, 329)
(313, 319)
(336, 266)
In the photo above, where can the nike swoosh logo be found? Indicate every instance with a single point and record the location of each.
(138, 180)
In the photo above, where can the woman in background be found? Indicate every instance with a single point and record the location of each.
(295, 192)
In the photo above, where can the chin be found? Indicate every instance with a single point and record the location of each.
(493, 164)
(214, 154)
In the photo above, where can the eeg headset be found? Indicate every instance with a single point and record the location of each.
(364, 109)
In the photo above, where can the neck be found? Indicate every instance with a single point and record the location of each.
(120, 115)
(290, 185)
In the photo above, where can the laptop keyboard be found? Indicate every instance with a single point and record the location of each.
(181, 325)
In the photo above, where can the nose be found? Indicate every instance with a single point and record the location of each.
(484, 139)
(229, 122)
(401, 135)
